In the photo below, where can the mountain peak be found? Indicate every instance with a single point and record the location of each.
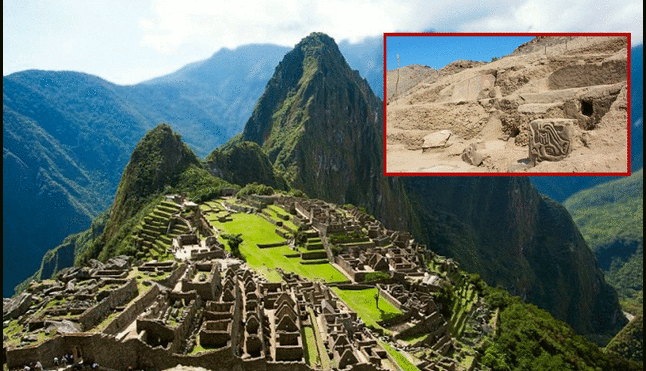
(159, 157)
(319, 123)
(317, 41)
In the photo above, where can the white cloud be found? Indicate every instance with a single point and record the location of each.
(108, 37)
(560, 16)
(232, 23)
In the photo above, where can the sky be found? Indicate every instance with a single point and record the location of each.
(126, 41)
(438, 51)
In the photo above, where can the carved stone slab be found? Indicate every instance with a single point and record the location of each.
(550, 139)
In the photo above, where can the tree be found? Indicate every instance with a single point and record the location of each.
(234, 241)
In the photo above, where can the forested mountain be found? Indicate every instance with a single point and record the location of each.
(610, 217)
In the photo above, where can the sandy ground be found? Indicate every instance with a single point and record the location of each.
(606, 152)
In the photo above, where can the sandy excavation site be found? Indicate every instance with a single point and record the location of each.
(556, 104)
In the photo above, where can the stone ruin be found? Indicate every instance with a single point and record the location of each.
(237, 317)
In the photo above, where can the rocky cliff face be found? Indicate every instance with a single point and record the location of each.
(321, 125)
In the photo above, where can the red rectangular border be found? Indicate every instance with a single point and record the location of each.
(628, 99)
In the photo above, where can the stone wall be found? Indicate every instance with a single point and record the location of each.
(289, 352)
(110, 353)
(268, 245)
(386, 295)
(321, 254)
(171, 281)
(94, 315)
(131, 312)
(207, 290)
(182, 331)
(156, 332)
(281, 233)
(347, 267)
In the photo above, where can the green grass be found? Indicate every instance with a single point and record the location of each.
(255, 229)
(415, 338)
(276, 217)
(312, 355)
(198, 347)
(363, 302)
(12, 332)
(401, 360)
(326, 363)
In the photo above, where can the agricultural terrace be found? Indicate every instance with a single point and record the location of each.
(279, 214)
(402, 361)
(256, 230)
(363, 302)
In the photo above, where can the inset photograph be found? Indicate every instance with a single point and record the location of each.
(509, 104)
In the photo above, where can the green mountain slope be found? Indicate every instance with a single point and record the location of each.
(157, 162)
(501, 228)
(56, 172)
(161, 163)
(321, 126)
(610, 217)
(629, 342)
(244, 163)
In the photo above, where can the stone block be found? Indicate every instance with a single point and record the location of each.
(550, 139)
(472, 156)
(437, 139)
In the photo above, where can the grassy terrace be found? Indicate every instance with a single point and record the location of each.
(401, 360)
(363, 302)
(461, 306)
(254, 230)
(276, 212)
